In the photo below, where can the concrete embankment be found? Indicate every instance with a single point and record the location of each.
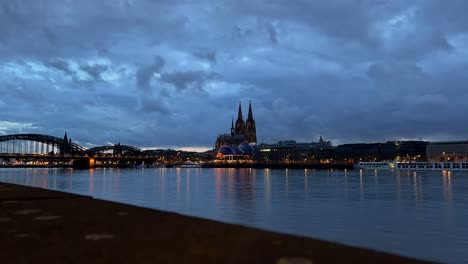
(43, 226)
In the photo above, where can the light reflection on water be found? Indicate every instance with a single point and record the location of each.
(421, 214)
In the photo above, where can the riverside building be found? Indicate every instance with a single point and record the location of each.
(447, 151)
(290, 151)
(391, 150)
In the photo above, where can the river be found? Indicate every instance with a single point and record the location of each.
(421, 214)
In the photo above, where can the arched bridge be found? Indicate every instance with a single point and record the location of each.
(44, 150)
(37, 143)
(116, 150)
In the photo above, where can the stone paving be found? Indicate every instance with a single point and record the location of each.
(44, 226)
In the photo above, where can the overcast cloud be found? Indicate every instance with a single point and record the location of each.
(171, 72)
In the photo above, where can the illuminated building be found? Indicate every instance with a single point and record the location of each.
(356, 152)
(456, 151)
(390, 150)
(290, 151)
(242, 132)
(228, 154)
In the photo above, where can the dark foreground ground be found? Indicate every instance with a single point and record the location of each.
(43, 226)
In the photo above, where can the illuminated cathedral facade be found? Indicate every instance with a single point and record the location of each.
(242, 132)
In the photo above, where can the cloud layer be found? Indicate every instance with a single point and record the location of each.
(171, 73)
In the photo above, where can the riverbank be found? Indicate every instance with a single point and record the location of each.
(44, 226)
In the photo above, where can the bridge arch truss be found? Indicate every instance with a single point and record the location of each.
(37, 144)
(116, 150)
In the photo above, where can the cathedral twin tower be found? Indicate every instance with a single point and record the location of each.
(242, 132)
(247, 129)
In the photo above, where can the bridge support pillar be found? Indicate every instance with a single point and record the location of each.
(84, 163)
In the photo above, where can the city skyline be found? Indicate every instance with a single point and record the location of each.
(168, 74)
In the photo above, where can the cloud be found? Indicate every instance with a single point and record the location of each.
(151, 105)
(272, 35)
(61, 65)
(94, 71)
(14, 127)
(209, 56)
(145, 72)
(49, 35)
(189, 79)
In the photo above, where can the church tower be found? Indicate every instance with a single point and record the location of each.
(250, 130)
(232, 127)
(240, 125)
(65, 145)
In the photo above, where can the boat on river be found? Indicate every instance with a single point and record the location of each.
(438, 166)
(374, 165)
(188, 165)
(416, 165)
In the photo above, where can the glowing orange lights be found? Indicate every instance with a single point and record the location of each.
(92, 162)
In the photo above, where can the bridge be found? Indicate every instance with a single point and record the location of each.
(42, 150)
(116, 150)
(37, 143)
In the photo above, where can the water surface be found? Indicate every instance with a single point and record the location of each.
(418, 214)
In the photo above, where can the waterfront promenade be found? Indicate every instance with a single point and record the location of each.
(44, 226)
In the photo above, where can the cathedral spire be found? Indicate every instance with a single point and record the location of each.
(239, 114)
(250, 130)
(64, 146)
(240, 125)
(250, 116)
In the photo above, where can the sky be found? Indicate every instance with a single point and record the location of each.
(171, 73)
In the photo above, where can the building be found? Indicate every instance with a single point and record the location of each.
(242, 132)
(390, 150)
(250, 129)
(356, 152)
(404, 150)
(290, 151)
(456, 151)
(66, 146)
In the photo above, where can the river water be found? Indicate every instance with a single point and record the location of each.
(420, 214)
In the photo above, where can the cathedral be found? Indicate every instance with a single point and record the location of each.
(243, 132)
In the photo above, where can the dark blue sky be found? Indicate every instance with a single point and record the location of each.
(171, 73)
